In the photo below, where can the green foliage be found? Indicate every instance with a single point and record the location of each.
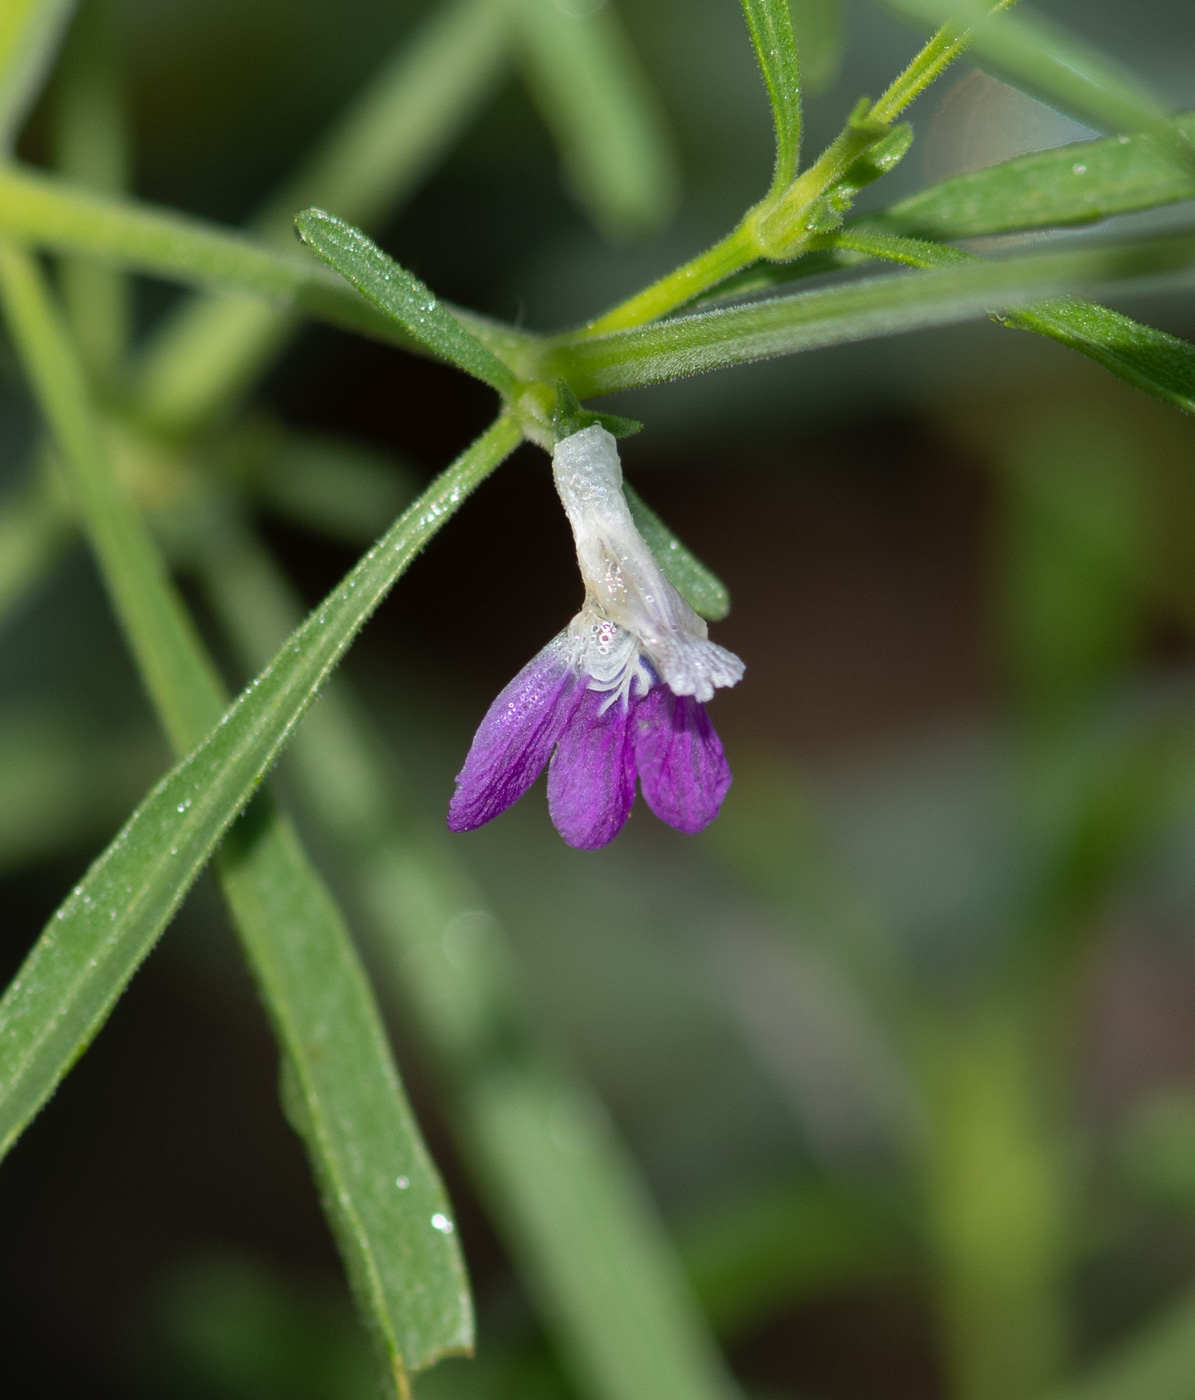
(881, 306)
(1075, 184)
(1049, 61)
(706, 593)
(75, 973)
(340, 1084)
(771, 27)
(585, 77)
(209, 351)
(57, 215)
(1149, 359)
(970, 1092)
(401, 295)
(563, 1192)
(568, 417)
(30, 31)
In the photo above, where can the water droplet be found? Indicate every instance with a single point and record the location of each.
(442, 1223)
(403, 1182)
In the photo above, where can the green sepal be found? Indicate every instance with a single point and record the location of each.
(700, 587)
(568, 417)
(827, 213)
(860, 120)
(879, 159)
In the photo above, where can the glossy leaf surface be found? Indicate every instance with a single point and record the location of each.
(771, 27)
(879, 306)
(344, 1093)
(401, 295)
(1075, 184)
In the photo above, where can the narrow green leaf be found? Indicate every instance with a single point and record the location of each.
(401, 295)
(405, 1267)
(61, 217)
(91, 145)
(1051, 62)
(57, 216)
(1155, 361)
(116, 913)
(1149, 359)
(83, 960)
(600, 106)
(771, 26)
(209, 351)
(380, 1189)
(858, 311)
(909, 252)
(564, 1193)
(555, 1159)
(704, 591)
(1075, 184)
(29, 34)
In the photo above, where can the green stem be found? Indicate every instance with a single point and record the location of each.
(735, 251)
(343, 1095)
(931, 61)
(852, 311)
(60, 217)
(775, 228)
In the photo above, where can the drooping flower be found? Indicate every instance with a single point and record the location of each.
(619, 695)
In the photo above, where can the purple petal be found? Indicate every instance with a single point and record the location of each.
(516, 737)
(591, 783)
(682, 769)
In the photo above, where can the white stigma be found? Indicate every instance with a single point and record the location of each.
(624, 585)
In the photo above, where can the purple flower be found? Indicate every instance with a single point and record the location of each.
(618, 696)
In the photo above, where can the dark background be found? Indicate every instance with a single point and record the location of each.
(859, 528)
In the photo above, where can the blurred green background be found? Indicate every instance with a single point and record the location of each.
(905, 1044)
